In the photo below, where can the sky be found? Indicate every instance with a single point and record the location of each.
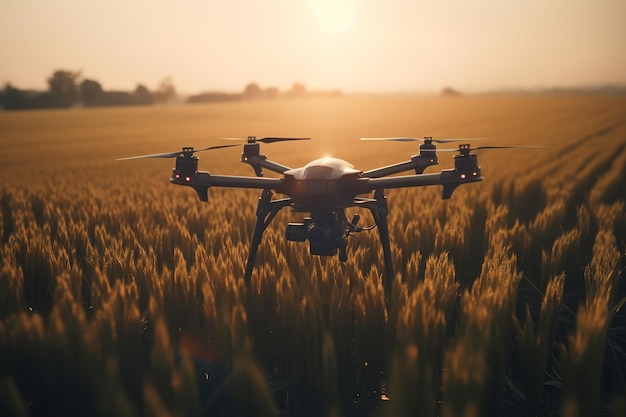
(350, 45)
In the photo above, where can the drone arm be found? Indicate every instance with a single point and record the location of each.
(273, 166)
(201, 181)
(418, 163)
(205, 178)
(258, 161)
(449, 179)
(409, 180)
(389, 170)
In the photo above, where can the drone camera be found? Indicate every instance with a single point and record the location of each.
(320, 236)
(297, 232)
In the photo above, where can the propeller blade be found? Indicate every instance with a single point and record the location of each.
(213, 147)
(272, 140)
(457, 140)
(399, 139)
(174, 154)
(406, 139)
(490, 147)
(266, 140)
(156, 155)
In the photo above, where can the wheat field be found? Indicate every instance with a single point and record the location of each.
(121, 294)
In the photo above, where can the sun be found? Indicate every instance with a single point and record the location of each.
(334, 16)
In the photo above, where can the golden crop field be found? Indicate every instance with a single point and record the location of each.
(123, 295)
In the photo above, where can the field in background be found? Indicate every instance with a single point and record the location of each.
(121, 294)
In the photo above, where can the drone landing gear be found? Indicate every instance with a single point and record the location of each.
(326, 232)
(265, 212)
(379, 210)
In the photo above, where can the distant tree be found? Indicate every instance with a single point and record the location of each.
(449, 91)
(298, 90)
(91, 93)
(213, 97)
(13, 98)
(142, 95)
(252, 90)
(63, 85)
(41, 100)
(117, 98)
(271, 92)
(166, 91)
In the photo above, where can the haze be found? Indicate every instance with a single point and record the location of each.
(352, 45)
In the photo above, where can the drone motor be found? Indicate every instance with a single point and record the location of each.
(466, 163)
(186, 165)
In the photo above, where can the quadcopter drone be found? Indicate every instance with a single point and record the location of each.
(325, 188)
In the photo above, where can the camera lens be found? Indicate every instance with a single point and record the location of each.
(318, 235)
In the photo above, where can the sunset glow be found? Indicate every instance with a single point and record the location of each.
(334, 16)
(353, 45)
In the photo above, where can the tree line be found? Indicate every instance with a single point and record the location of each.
(68, 89)
(253, 91)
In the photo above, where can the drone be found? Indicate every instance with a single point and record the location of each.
(325, 188)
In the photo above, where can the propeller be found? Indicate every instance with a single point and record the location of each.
(185, 151)
(253, 139)
(468, 149)
(425, 139)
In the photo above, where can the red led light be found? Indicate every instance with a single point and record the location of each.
(474, 173)
(177, 176)
(187, 179)
(462, 176)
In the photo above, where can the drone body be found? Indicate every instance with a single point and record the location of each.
(325, 188)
